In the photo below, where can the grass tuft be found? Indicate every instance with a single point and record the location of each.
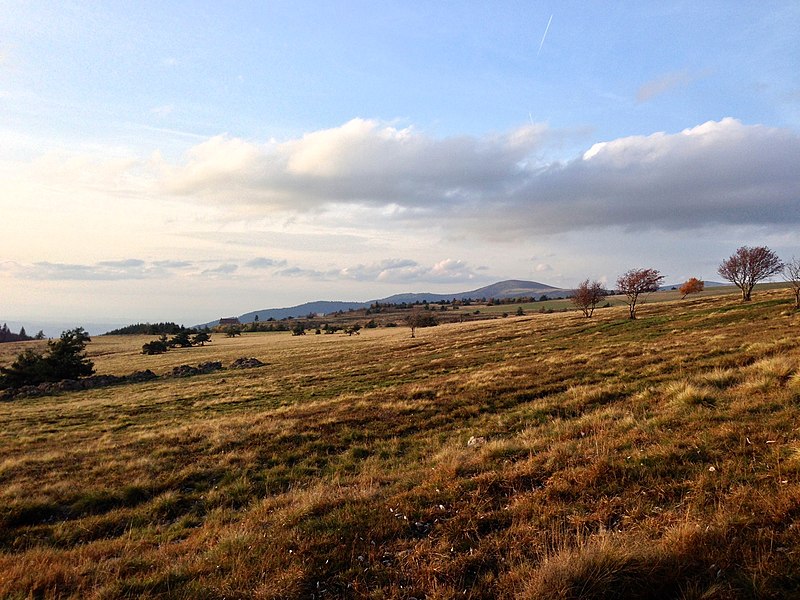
(689, 395)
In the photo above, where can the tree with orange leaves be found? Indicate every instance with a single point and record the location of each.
(693, 286)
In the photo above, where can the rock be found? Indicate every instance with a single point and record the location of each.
(476, 441)
(246, 363)
(185, 371)
(146, 375)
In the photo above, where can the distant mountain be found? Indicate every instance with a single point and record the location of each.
(301, 310)
(513, 288)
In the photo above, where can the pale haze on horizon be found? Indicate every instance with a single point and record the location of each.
(187, 161)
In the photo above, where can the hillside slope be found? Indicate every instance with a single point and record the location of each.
(545, 456)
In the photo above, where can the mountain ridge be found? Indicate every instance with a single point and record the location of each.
(509, 288)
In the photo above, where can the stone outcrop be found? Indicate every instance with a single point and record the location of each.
(246, 363)
(100, 381)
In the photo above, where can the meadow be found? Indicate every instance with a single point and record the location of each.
(542, 456)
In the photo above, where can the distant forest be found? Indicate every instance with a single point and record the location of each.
(148, 329)
(22, 336)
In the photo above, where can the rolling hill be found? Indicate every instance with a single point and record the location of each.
(512, 288)
(542, 456)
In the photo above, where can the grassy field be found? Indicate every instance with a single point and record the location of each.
(543, 456)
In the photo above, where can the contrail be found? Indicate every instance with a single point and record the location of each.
(546, 29)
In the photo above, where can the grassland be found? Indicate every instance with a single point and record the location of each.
(656, 458)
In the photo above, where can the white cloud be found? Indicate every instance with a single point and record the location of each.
(223, 269)
(264, 263)
(717, 172)
(163, 111)
(104, 270)
(361, 162)
(101, 271)
(666, 83)
(73, 172)
(172, 264)
(398, 270)
(496, 187)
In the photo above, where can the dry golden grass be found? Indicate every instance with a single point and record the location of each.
(613, 459)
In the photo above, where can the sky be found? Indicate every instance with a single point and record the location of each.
(184, 161)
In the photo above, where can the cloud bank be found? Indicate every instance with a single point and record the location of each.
(393, 271)
(396, 270)
(720, 172)
(496, 186)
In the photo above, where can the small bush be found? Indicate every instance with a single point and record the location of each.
(154, 347)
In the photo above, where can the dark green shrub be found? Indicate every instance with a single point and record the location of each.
(64, 359)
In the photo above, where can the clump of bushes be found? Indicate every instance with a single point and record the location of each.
(183, 339)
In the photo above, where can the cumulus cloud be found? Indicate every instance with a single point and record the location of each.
(172, 264)
(128, 263)
(717, 172)
(105, 270)
(223, 269)
(496, 186)
(264, 263)
(362, 162)
(101, 271)
(400, 270)
(302, 273)
(396, 270)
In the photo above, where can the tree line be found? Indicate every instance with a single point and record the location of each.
(6, 335)
(168, 328)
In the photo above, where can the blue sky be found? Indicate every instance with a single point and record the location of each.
(189, 160)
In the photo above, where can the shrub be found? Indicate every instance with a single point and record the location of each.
(181, 339)
(587, 296)
(692, 286)
(154, 347)
(64, 359)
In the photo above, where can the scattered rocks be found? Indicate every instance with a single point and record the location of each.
(71, 385)
(139, 376)
(201, 369)
(246, 363)
(99, 381)
(185, 371)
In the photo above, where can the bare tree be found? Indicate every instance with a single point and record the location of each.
(420, 318)
(693, 286)
(791, 272)
(587, 296)
(636, 284)
(747, 266)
